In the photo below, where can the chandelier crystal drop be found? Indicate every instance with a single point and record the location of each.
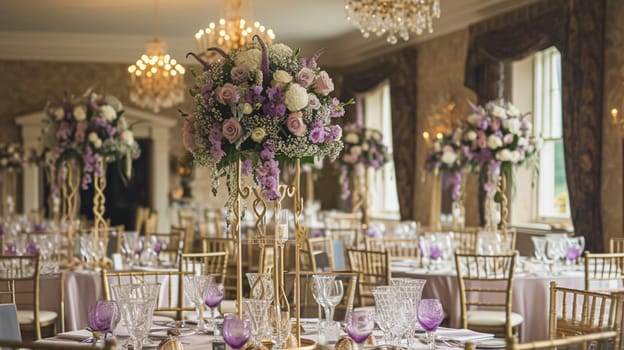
(396, 18)
(156, 79)
(232, 32)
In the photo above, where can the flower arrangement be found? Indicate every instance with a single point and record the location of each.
(11, 156)
(498, 137)
(89, 128)
(446, 156)
(263, 105)
(363, 149)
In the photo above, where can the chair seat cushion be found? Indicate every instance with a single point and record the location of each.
(28, 316)
(492, 318)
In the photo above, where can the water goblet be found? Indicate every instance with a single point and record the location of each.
(257, 311)
(385, 302)
(214, 295)
(360, 324)
(280, 326)
(134, 316)
(574, 249)
(236, 332)
(539, 248)
(103, 316)
(261, 285)
(430, 315)
(143, 291)
(195, 289)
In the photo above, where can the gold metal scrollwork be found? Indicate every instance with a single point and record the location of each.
(100, 226)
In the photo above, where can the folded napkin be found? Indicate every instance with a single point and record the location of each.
(461, 335)
(79, 335)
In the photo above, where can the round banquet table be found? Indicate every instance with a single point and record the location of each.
(530, 294)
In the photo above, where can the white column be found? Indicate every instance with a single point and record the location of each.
(160, 176)
(31, 190)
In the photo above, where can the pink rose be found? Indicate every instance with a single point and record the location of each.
(188, 136)
(323, 84)
(508, 139)
(227, 93)
(295, 124)
(305, 77)
(232, 130)
(496, 125)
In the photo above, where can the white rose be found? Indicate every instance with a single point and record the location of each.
(108, 112)
(470, 136)
(512, 111)
(364, 146)
(128, 137)
(474, 118)
(59, 113)
(281, 50)
(79, 113)
(93, 136)
(97, 143)
(515, 156)
(498, 111)
(352, 138)
(356, 150)
(247, 108)
(281, 77)
(503, 155)
(494, 142)
(296, 97)
(448, 158)
(523, 142)
(250, 58)
(513, 125)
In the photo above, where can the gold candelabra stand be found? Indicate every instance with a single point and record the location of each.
(277, 238)
(359, 195)
(100, 225)
(69, 183)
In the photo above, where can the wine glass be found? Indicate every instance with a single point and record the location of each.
(319, 283)
(214, 295)
(236, 332)
(334, 292)
(143, 291)
(195, 289)
(574, 248)
(103, 316)
(385, 298)
(360, 324)
(257, 311)
(430, 315)
(539, 248)
(554, 250)
(133, 315)
(280, 326)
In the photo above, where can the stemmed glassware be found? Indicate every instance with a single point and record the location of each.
(261, 285)
(334, 292)
(411, 289)
(555, 250)
(392, 314)
(257, 311)
(236, 332)
(430, 315)
(134, 315)
(360, 324)
(143, 291)
(280, 326)
(103, 317)
(539, 248)
(574, 248)
(319, 283)
(195, 288)
(214, 295)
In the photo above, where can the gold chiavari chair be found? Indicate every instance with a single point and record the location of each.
(140, 217)
(213, 220)
(616, 245)
(398, 248)
(497, 240)
(24, 272)
(109, 344)
(217, 244)
(172, 244)
(214, 263)
(189, 237)
(373, 269)
(314, 248)
(309, 306)
(171, 285)
(576, 312)
(485, 290)
(346, 227)
(605, 270)
(466, 240)
(151, 223)
(595, 341)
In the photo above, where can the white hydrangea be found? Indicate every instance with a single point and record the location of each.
(448, 158)
(108, 113)
(494, 142)
(281, 77)
(513, 125)
(250, 58)
(498, 111)
(473, 119)
(281, 50)
(296, 97)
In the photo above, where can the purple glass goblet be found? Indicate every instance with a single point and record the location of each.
(435, 251)
(10, 249)
(236, 332)
(430, 314)
(360, 325)
(32, 248)
(214, 295)
(573, 253)
(102, 316)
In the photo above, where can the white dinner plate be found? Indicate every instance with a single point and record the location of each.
(494, 343)
(162, 334)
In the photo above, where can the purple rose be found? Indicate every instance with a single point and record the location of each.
(295, 124)
(323, 84)
(32, 248)
(313, 101)
(232, 130)
(305, 77)
(227, 93)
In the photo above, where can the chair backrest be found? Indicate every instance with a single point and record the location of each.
(9, 326)
(309, 306)
(580, 342)
(616, 245)
(465, 241)
(314, 248)
(214, 263)
(576, 312)
(485, 281)
(373, 269)
(398, 248)
(171, 296)
(346, 227)
(109, 344)
(215, 244)
(140, 217)
(24, 269)
(214, 220)
(605, 270)
(495, 242)
(172, 245)
(151, 223)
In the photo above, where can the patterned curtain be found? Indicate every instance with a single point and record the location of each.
(400, 70)
(576, 28)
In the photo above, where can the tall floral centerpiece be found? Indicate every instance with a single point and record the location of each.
(363, 150)
(12, 160)
(256, 109)
(446, 157)
(497, 138)
(82, 135)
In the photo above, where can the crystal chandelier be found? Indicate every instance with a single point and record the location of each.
(156, 79)
(234, 31)
(397, 18)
